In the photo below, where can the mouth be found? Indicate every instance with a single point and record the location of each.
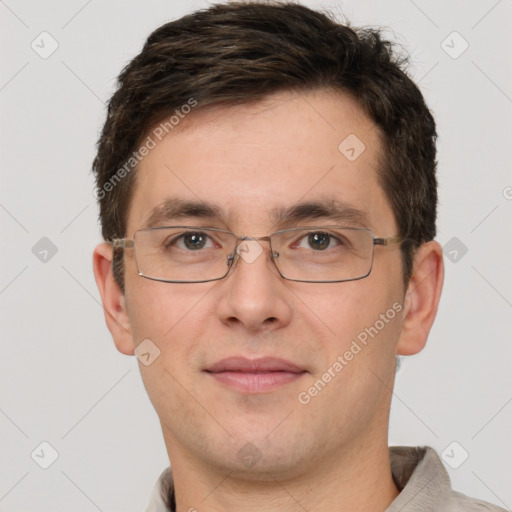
(254, 375)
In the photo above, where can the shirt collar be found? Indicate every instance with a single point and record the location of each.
(421, 478)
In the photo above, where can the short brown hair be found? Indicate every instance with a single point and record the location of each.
(239, 53)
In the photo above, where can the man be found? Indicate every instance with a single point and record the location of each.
(266, 180)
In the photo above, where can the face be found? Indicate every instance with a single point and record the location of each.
(249, 161)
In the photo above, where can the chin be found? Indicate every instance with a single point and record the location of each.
(256, 458)
(266, 469)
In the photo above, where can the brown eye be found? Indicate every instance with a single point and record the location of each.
(194, 241)
(190, 241)
(319, 241)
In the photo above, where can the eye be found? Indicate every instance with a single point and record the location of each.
(191, 241)
(319, 241)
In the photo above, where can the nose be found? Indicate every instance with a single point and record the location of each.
(254, 296)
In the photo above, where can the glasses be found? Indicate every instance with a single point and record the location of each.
(190, 254)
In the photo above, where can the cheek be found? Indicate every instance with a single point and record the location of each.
(343, 309)
(364, 312)
(176, 318)
(160, 310)
(173, 319)
(361, 352)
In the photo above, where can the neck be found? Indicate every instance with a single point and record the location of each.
(359, 479)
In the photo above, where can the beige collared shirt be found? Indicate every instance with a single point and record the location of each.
(418, 472)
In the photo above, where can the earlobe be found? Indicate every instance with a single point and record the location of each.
(113, 299)
(422, 299)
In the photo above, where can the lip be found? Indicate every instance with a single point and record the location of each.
(260, 365)
(255, 375)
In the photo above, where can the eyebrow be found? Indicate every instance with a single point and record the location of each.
(174, 208)
(331, 209)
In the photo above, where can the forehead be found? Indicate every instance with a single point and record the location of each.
(254, 161)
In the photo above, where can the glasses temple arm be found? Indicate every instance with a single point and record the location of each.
(390, 240)
(122, 243)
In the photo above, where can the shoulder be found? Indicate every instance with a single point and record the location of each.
(424, 484)
(462, 503)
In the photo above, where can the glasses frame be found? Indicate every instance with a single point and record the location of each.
(121, 244)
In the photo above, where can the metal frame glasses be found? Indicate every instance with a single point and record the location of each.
(161, 256)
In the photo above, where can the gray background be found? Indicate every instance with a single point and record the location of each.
(63, 382)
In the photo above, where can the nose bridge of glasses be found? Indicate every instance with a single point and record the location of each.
(249, 248)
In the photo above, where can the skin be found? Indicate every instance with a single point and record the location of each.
(332, 453)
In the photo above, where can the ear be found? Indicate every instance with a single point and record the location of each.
(422, 298)
(114, 303)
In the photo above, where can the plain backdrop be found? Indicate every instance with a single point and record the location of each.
(62, 381)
